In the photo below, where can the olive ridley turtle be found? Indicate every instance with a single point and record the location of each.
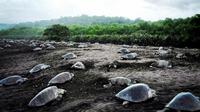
(69, 56)
(38, 68)
(46, 95)
(162, 64)
(118, 81)
(164, 53)
(136, 93)
(124, 51)
(184, 101)
(12, 80)
(50, 47)
(61, 78)
(129, 56)
(78, 65)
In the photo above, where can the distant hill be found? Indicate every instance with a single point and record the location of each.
(5, 26)
(80, 20)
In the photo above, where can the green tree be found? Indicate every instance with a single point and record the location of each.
(56, 32)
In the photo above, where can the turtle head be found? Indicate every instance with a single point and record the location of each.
(152, 93)
(49, 84)
(107, 85)
(125, 103)
(161, 48)
(154, 64)
(25, 79)
(61, 91)
(20, 81)
(60, 94)
(197, 98)
(170, 65)
(72, 74)
(132, 82)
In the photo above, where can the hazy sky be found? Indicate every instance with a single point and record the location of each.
(15, 11)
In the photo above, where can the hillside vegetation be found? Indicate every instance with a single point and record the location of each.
(168, 32)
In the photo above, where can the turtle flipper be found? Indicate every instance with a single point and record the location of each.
(59, 97)
(125, 103)
(107, 85)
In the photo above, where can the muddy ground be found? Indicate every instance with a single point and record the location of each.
(85, 92)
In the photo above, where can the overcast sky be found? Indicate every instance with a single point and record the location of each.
(15, 11)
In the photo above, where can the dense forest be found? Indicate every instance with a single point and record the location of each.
(169, 32)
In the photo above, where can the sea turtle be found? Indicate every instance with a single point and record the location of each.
(136, 93)
(61, 78)
(42, 45)
(160, 48)
(37, 49)
(78, 65)
(164, 53)
(129, 56)
(70, 44)
(46, 95)
(126, 46)
(114, 64)
(69, 56)
(162, 64)
(7, 46)
(11, 80)
(118, 81)
(38, 68)
(50, 47)
(82, 45)
(124, 51)
(32, 44)
(181, 56)
(184, 101)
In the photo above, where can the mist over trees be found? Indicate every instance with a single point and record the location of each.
(170, 32)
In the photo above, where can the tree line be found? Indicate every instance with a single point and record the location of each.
(169, 32)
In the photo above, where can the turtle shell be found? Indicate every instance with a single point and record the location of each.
(61, 78)
(82, 45)
(124, 51)
(136, 93)
(69, 56)
(50, 47)
(78, 65)
(39, 67)
(11, 80)
(120, 80)
(163, 64)
(45, 96)
(184, 101)
(37, 49)
(129, 56)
